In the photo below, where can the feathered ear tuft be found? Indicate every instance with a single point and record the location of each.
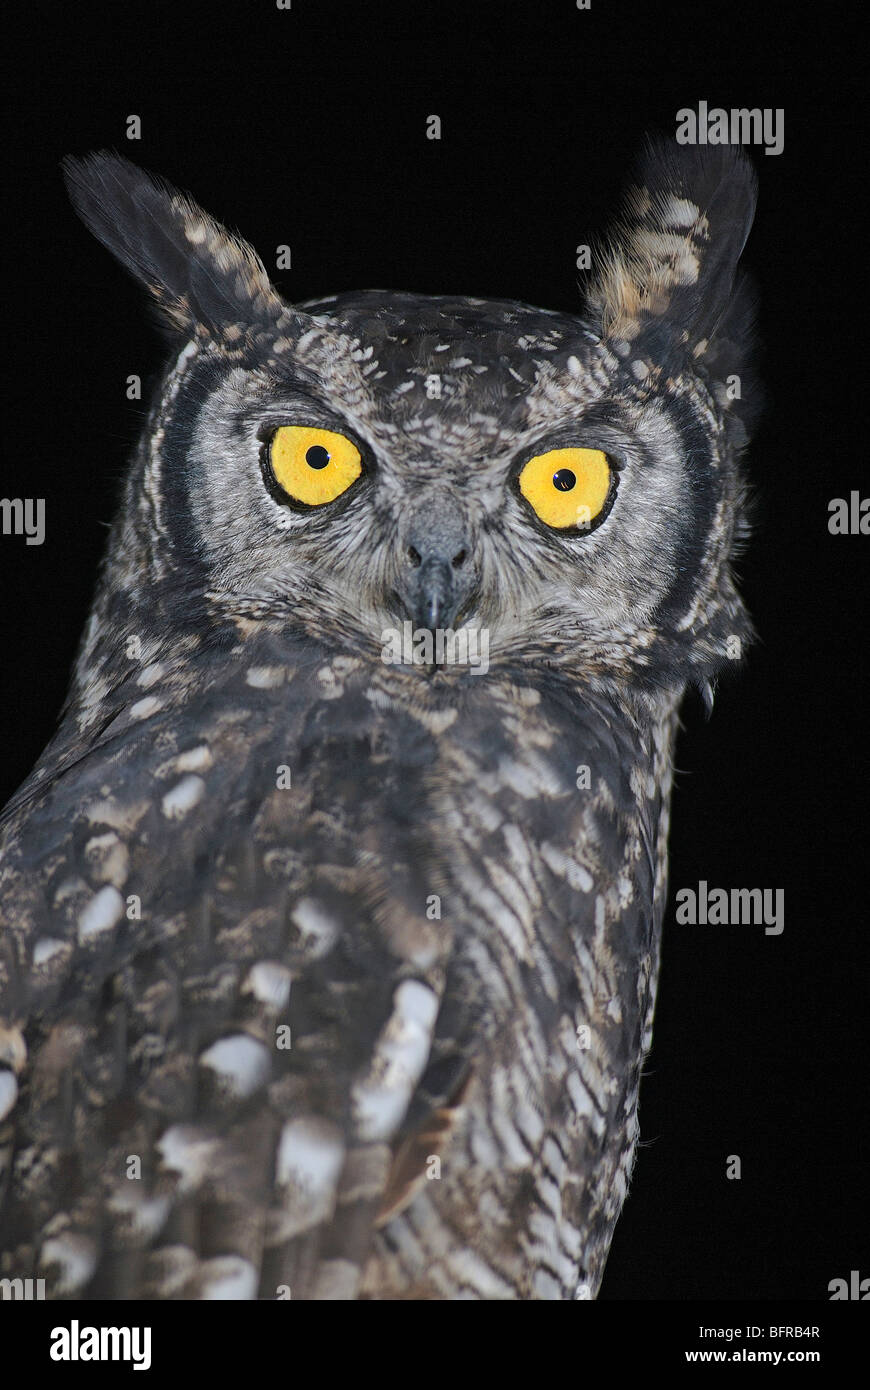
(205, 280)
(668, 271)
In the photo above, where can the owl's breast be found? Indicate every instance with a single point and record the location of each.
(295, 894)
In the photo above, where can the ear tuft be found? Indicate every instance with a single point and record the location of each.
(205, 280)
(669, 268)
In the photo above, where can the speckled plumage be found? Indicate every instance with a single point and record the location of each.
(168, 907)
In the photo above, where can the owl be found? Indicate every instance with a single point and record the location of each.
(331, 914)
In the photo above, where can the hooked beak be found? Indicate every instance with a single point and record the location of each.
(437, 576)
(435, 605)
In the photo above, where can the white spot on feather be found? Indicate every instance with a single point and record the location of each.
(310, 1154)
(309, 1163)
(269, 983)
(189, 1152)
(194, 760)
(196, 232)
(47, 948)
(182, 798)
(104, 910)
(144, 708)
(319, 929)
(242, 1064)
(265, 677)
(150, 675)
(679, 212)
(76, 1259)
(381, 1098)
(121, 817)
(142, 1216)
(8, 1093)
(109, 859)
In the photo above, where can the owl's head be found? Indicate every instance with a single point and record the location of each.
(570, 484)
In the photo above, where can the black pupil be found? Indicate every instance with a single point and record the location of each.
(317, 456)
(564, 480)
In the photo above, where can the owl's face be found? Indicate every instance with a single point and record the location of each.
(446, 403)
(568, 484)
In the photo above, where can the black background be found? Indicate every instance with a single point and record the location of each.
(307, 127)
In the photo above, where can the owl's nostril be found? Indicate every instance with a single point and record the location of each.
(414, 556)
(459, 559)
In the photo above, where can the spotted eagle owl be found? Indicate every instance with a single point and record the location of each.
(330, 947)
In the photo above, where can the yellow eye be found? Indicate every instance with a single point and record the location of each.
(313, 466)
(567, 487)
